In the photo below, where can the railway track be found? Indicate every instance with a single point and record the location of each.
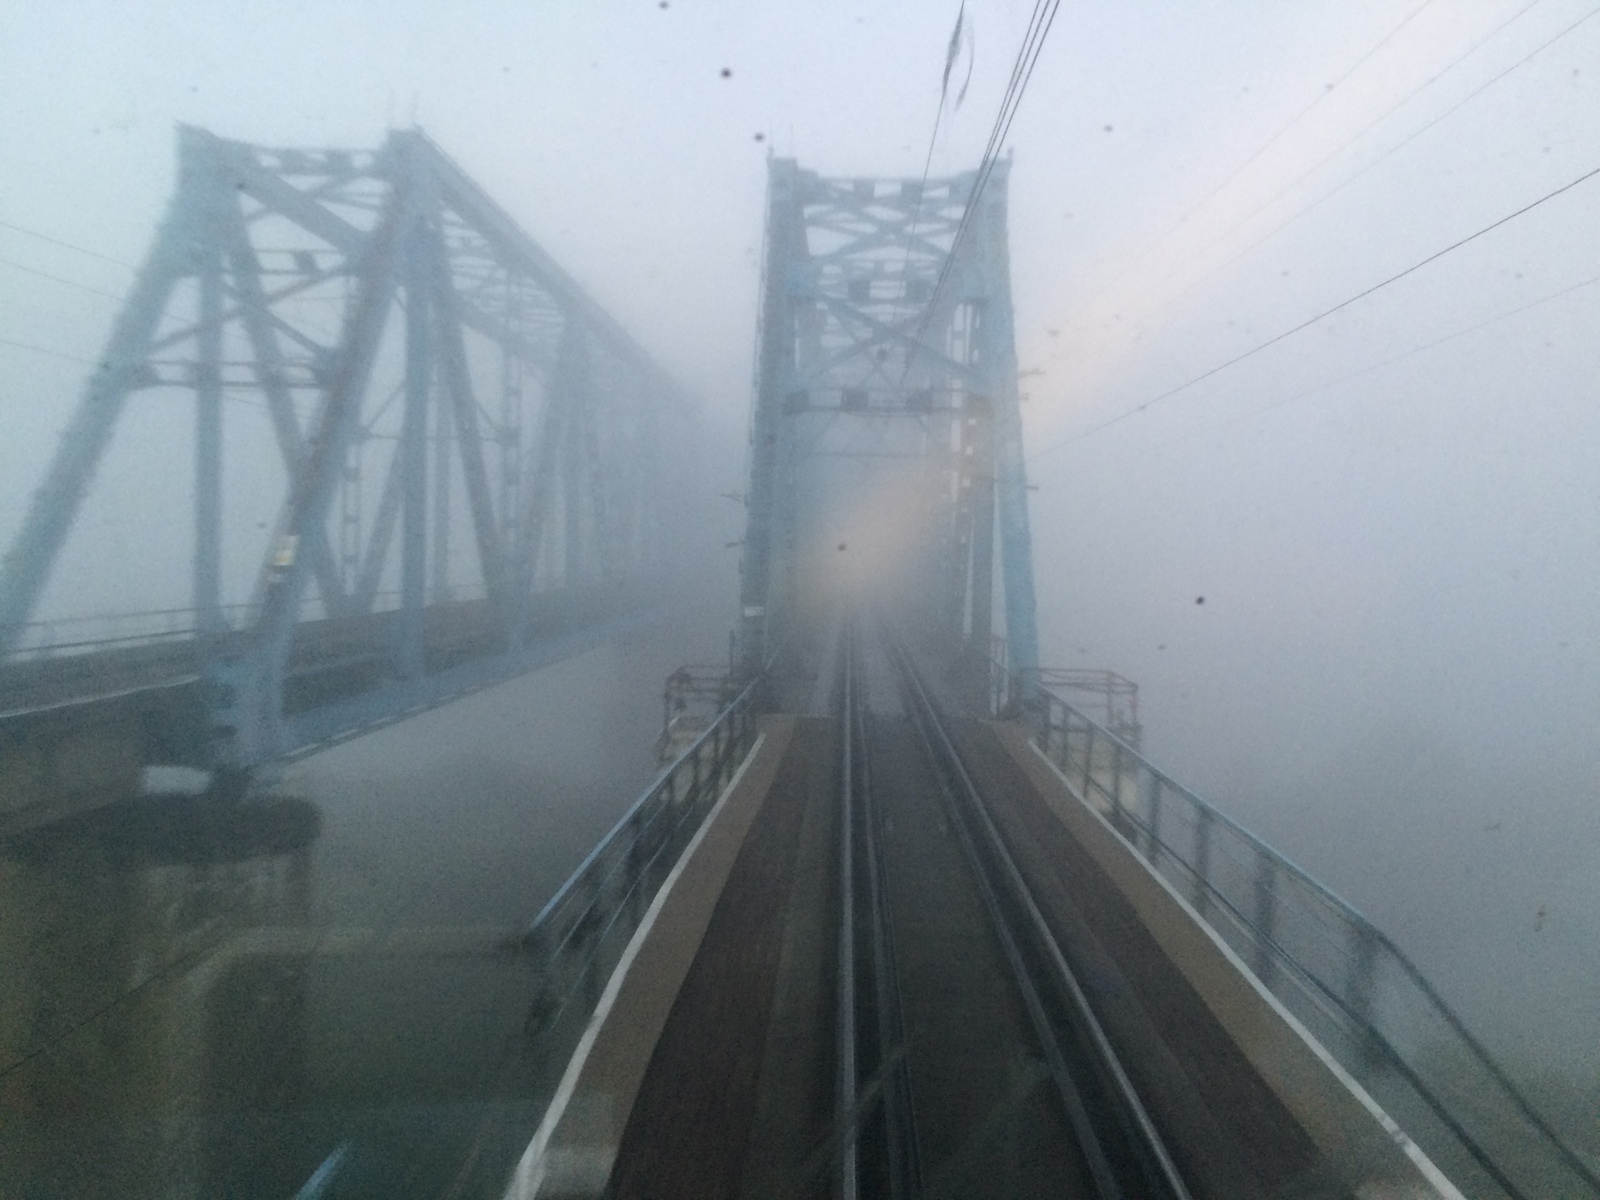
(969, 1061)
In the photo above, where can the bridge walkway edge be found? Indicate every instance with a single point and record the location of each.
(577, 1142)
(1346, 1124)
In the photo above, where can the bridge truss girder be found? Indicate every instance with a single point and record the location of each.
(494, 343)
(885, 336)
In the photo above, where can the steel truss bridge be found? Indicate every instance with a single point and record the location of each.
(901, 920)
(479, 469)
(887, 384)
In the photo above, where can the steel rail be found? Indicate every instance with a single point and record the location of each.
(903, 1169)
(880, 1052)
(848, 1100)
(998, 876)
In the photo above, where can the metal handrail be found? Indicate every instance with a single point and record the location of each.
(42, 639)
(1371, 1013)
(578, 931)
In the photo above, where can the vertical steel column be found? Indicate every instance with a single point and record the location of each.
(457, 379)
(208, 442)
(441, 503)
(572, 473)
(648, 523)
(364, 592)
(980, 428)
(539, 501)
(216, 672)
(510, 433)
(958, 532)
(602, 535)
(999, 356)
(774, 371)
(413, 461)
(350, 515)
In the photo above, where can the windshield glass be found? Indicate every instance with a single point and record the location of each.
(1303, 304)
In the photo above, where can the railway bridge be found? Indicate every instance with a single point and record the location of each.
(899, 918)
(419, 460)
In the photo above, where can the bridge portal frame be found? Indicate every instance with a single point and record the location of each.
(885, 301)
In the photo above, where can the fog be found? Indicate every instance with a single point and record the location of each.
(1351, 572)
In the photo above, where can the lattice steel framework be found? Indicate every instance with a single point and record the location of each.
(881, 358)
(392, 323)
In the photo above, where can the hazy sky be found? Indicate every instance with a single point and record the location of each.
(1393, 671)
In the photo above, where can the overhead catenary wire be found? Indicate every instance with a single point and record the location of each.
(1350, 141)
(1285, 401)
(1331, 88)
(1339, 187)
(1145, 406)
(47, 352)
(1042, 18)
(60, 279)
(927, 159)
(1039, 23)
(55, 241)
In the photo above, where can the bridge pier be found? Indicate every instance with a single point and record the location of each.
(59, 760)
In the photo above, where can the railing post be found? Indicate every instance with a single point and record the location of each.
(1202, 860)
(1360, 985)
(1155, 818)
(1266, 896)
(1088, 757)
(1118, 811)
(638, 862)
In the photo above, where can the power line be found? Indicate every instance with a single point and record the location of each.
(1267, 145)
(1328, 312)
(48, 353)
(1377, 366)
(1338, 150)
(1021, 73)
(1039, 23)
(54, 241)
(1328, 195)
(59, 279)
(927, 160)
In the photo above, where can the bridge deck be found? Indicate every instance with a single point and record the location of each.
(76, 730)
(1232, 1135)
(735, 1097)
